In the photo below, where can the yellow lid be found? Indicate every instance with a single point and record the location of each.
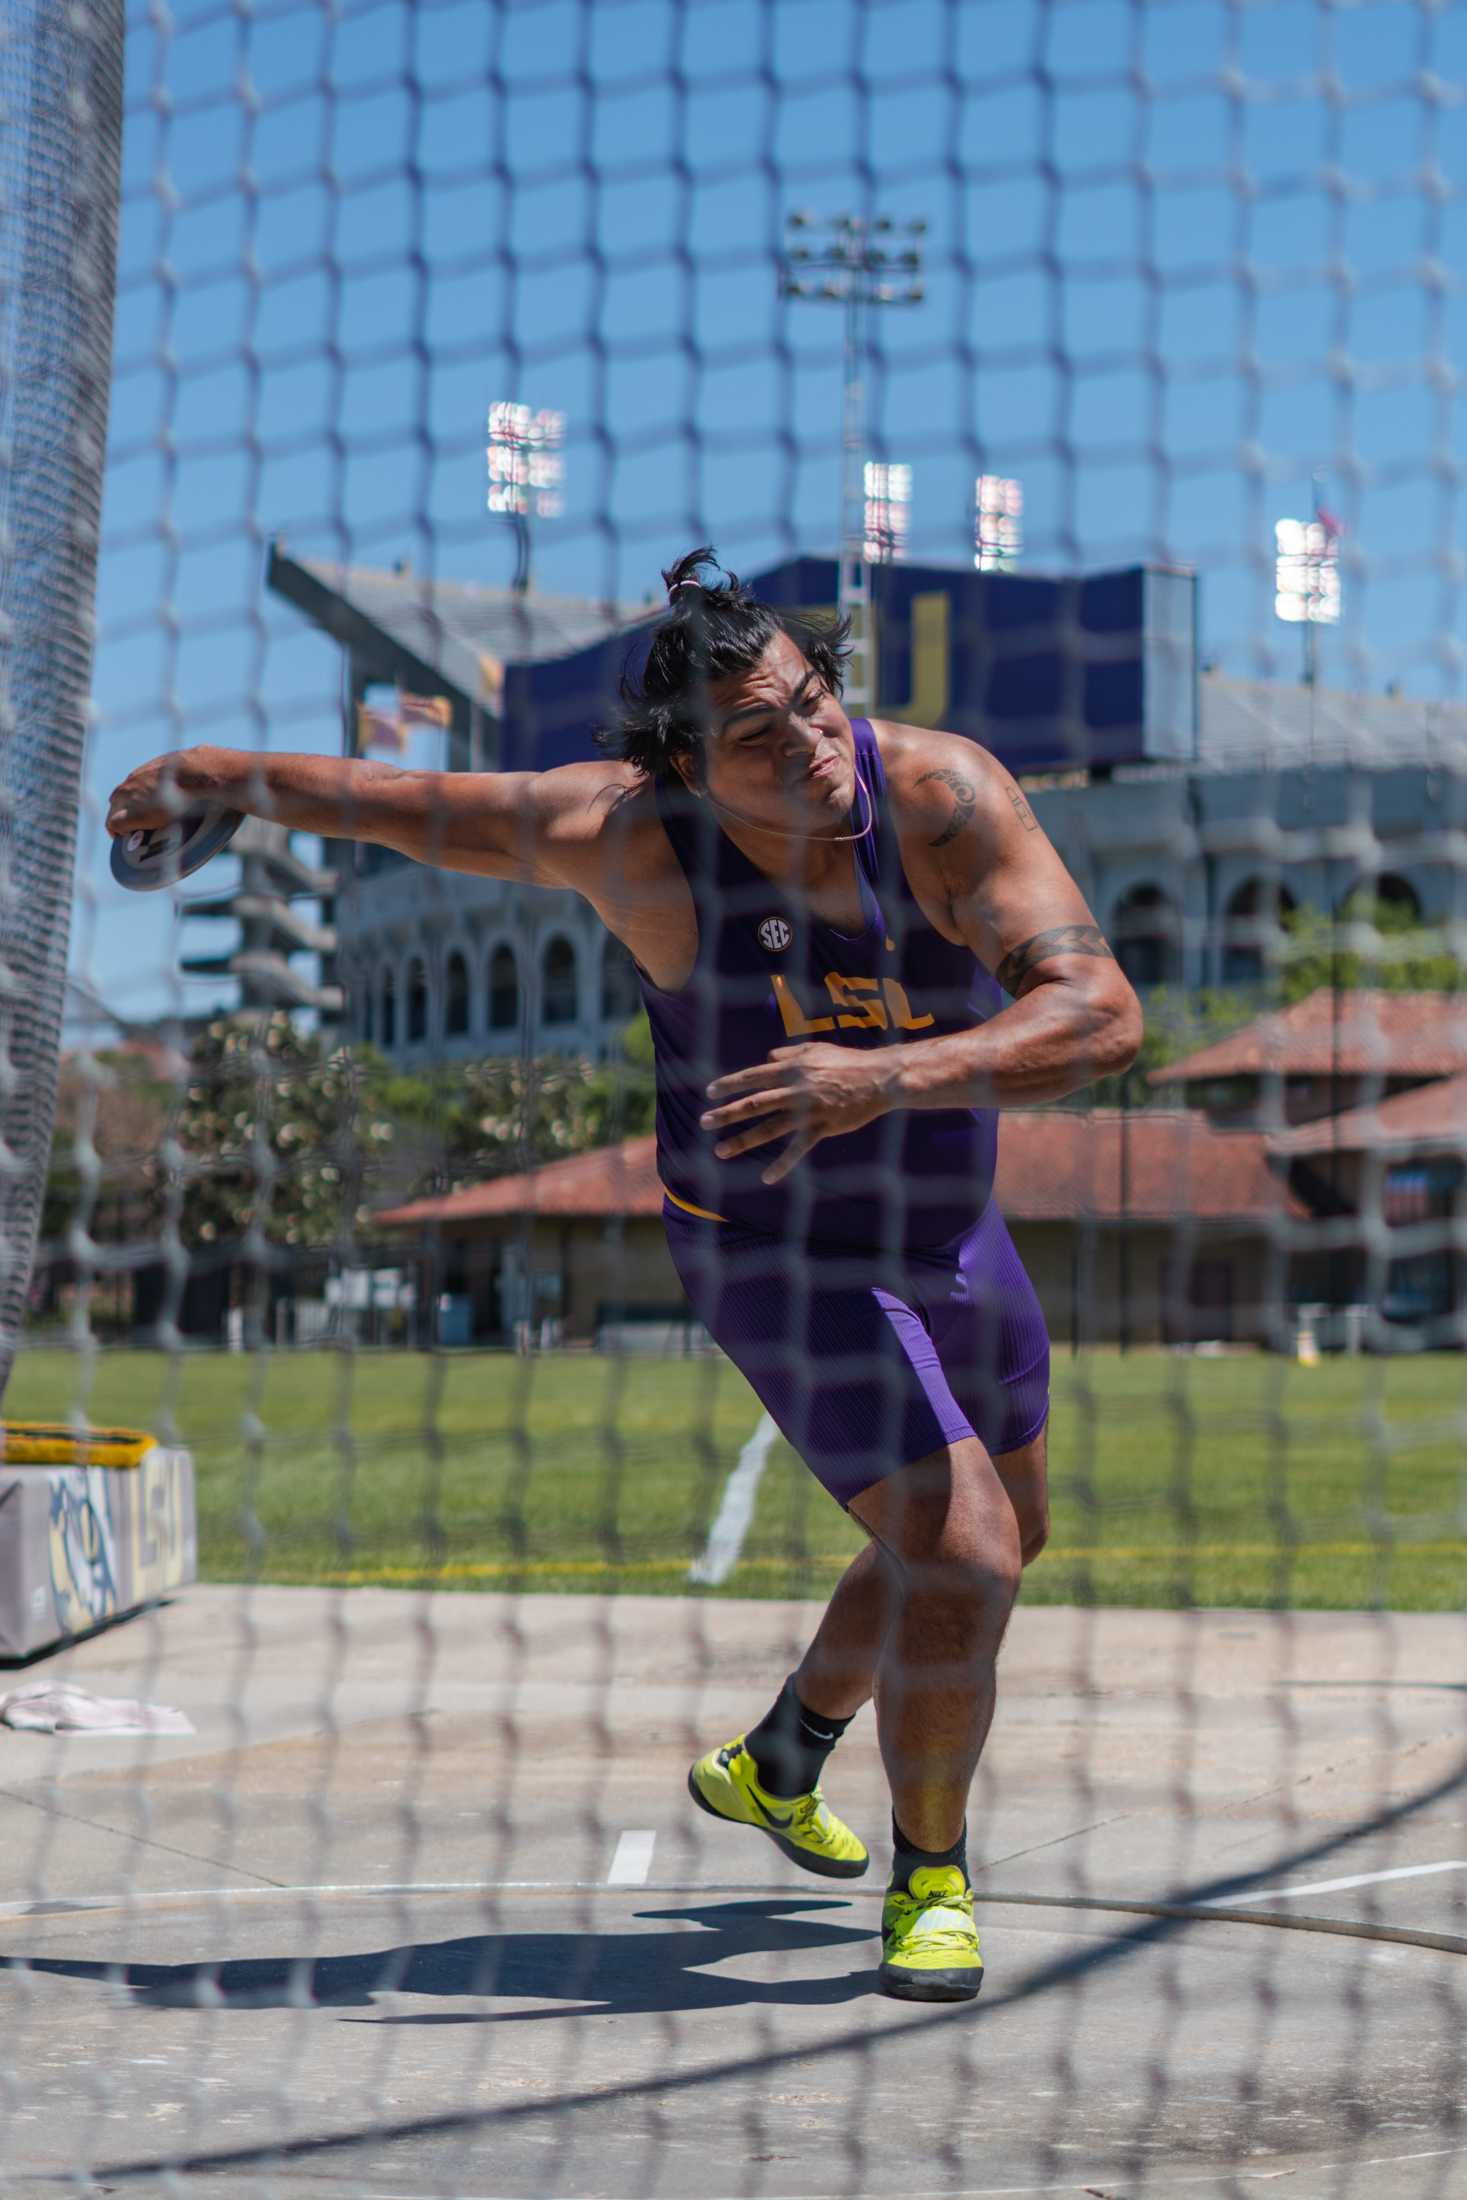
(58, 1444)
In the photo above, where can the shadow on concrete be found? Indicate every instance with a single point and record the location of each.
(1434, 1688)
(628, 1973)
(675, 1958)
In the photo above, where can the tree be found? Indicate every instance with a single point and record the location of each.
(1379, 944)
(279, 1135)
(112, 1115)
(300, 1141)
(495, 1117)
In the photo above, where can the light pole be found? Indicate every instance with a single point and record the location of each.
(998, 523)
(1307, 594)
(1307, 581)
(526, 472)
(888, 507)
(857, 264)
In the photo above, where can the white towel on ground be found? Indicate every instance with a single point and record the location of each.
(55, 1707)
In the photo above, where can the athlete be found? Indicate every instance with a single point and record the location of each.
(855, 946)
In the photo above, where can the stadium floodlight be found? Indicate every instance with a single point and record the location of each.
(1307, 570)
(526, 471)
(855, 269)
(888, 511)
(998, 523)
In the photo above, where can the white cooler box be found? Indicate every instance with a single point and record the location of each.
(82, 1543)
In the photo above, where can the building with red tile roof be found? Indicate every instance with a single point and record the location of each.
(1140, 1225)
(1426, 1119)
(1330, 1052)
(1053, 1164)
(1157, 1223)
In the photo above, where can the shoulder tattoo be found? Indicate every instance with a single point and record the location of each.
(1022, 810)
(1063, 939)
(964, 797)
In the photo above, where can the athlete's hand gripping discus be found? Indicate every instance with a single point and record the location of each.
(147, 861)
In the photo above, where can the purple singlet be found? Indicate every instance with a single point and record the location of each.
(769, 974)
(873, 1299)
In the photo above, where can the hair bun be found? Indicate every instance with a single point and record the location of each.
(688, 571)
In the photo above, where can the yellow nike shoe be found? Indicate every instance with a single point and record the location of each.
(929, 1943)
(724, 1784)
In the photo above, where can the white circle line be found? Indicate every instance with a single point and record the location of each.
(1212, 2177)
(1209, 1913)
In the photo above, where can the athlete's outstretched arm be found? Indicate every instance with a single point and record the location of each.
(539, 827)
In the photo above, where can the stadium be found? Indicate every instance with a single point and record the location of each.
(1191, 874)
(731, 910)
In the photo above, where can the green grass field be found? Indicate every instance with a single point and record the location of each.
(1238, 1481)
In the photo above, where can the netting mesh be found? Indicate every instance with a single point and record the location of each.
(61, 87)
(1100, 362)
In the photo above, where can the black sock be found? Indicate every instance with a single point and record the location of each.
(908, 1858)
(789, 1746)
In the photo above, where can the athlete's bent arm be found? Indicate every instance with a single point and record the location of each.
(538, 827)
(986, 874)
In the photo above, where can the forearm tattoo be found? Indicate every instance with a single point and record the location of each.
(964, 797)
(1064, 939)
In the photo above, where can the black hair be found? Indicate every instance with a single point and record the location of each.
(709, 632)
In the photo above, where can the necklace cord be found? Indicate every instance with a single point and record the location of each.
(832, 840)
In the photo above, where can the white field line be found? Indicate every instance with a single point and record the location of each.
(632, 1861)
(735, 1509)
(1241, 1900)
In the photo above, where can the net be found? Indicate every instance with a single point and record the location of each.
(1099, 364)
(60, 91)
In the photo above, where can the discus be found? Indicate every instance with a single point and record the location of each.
(146, 862)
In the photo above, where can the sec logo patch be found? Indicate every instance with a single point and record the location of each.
(774, 934)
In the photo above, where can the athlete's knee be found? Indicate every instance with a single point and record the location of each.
(952, 1540)
(967, 1596)
(986, 1569)
(949, 1504)
(979, 1558)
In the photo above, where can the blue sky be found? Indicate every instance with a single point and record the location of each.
(1179, 254)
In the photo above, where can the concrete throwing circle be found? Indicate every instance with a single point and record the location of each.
(621, 2043)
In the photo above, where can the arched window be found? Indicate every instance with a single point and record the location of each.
(559, 1003)
(1393, 898)
(504, 990)
(456, 996)
(1251, 926)
(1400, 897)
(389, 1007)
(621, 996)
(417, 1004)
(1144, 935)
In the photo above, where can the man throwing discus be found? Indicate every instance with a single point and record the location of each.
(855, 947)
